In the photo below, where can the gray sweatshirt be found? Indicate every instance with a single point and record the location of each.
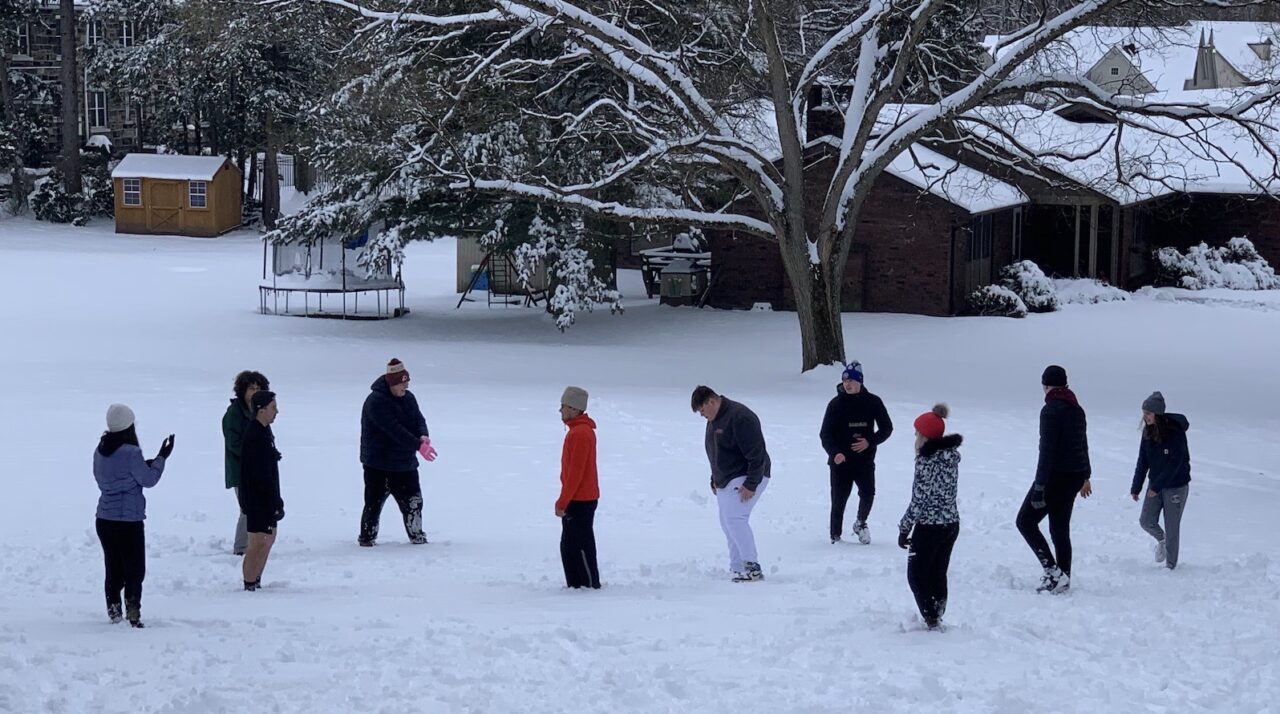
(735, 446)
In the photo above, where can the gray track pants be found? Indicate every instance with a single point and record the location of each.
(1172, 501)
(241, 543)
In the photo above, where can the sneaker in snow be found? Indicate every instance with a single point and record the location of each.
(751, 573)
(863, 533)
(1051, 580)
(134, 615)
(1161, 554)
(252, 586)
(835, 539)
(364, 543)
(418, 539)
(115, 613)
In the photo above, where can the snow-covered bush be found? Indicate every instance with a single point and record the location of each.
(1084, 291)
(996, 300)
(1236, 266)
(49, 202)
(1028, 282)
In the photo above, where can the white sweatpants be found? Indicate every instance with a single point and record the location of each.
(735, 515)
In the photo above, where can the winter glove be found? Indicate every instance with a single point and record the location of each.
(427, 450)
(904, 539)
(166, 447)
(1037, 497)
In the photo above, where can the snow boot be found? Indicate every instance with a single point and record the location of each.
(835, 539)
(1161, 553)
(864, 534)
(134, 614)
(364, 543)
(252, 586)
(751, 573)
(418, 538)
(1054, 581)
(115, 613)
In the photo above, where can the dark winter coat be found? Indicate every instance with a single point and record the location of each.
(122, 473)
(848, 417)
(259, 493)
(391, 429)
(735, 446)
(1167, 462)
(933, 492)
(1064, 441)
(234, 422)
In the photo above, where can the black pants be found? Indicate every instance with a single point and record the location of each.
(927, 563)
(401, 485)
(124, 552)
(843, 479)
(1059, 499)
(578, 545)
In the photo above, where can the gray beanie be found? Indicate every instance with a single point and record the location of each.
(1154, 403)
(119, 418)
(575, 397)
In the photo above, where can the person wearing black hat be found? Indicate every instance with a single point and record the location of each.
(393, 433)
(854, 424)
(260, 486)
(1063, 471)
(1163, 456)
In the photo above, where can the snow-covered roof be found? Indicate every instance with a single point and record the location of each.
(168, 166)
(963, 186)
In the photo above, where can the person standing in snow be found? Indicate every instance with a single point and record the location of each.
(855, 423)
(234, 422)
(932, 514)
(392, 434)
(739, 474)
(1163, 456)
(579, 492)
(1063, 471)
(259, 492)
(122, 473)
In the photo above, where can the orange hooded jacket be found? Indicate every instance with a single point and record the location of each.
(578, 478)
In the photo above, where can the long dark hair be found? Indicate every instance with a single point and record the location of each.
(112, 440)
(1155, 431)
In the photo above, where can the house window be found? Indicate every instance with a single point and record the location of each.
(97, 109)
(983, 234)
(128, 33)
(1017, 234)
(1115, 71)
(197, 192)
(132, 192)
(24, 39)
(93, 35)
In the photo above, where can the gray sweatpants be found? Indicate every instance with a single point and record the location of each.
(242, 529)
(1171, 501)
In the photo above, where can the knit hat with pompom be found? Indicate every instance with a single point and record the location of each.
(932, 424)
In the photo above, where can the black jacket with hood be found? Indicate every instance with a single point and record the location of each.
(1166, 462)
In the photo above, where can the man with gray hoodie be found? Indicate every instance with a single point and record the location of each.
(739, 473)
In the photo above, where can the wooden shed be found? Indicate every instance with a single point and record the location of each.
(177, 195)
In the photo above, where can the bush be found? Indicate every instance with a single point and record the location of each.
(1236, 266)
(1029, 283)
(49, 201)
(1085, 291)
(996, 301)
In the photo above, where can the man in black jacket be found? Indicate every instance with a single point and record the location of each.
(739, 473)
(259, 492)
(392, 432)
(1062, 472)
(855, 423)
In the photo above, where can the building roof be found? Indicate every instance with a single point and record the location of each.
(961, 185)
(168, 166)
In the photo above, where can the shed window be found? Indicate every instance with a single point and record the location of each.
(197, 193)
(133, 192)
(1115, 71)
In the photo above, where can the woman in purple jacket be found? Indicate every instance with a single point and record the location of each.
(122, 473)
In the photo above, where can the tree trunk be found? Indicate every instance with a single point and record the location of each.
(271, 177)
(18, 186)
(251, 194)
(817, 293)
(71, 99)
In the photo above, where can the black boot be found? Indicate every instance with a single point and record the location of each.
(114, 612)
(134, 614)
(252, 586)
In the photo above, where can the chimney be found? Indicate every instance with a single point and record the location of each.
(823, 117)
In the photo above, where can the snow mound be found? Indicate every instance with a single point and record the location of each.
(1236, 266)
(1086, 291)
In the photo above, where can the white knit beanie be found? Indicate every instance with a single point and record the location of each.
(575, 397)
(119, 417)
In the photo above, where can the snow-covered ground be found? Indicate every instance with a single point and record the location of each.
(478, 621)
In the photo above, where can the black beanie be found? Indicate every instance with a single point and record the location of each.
(261, 399)
(1054, 376)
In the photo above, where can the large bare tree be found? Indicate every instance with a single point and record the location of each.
(685, 89)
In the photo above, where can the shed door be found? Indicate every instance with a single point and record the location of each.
(164, 209)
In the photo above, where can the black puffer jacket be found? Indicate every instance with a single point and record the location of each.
(391, 428)
(1167, 462)
(1064, 439)
(848, 417)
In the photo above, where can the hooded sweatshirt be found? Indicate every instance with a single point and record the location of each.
(1064, 440)
(579, 480)
(848, 417)
(234, 423)
(1166, 462)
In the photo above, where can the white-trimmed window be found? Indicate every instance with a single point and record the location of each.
(97, 109)
(24, 40)
(128, 33)
(1115, 71)
(133, 192)
(93, 33)
(197, 194)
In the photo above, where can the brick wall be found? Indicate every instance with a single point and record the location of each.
(1184, 220)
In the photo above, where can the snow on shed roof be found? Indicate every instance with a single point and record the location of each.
(168, 166)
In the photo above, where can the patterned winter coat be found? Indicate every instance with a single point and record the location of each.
(933, 495)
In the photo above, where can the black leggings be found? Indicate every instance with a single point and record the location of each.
(843, 479)
(124, 552)
(578, 545)
(927, 564)
(1060, 499)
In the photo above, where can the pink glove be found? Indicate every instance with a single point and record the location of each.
(426, 449)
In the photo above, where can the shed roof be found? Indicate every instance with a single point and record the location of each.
(168, 166)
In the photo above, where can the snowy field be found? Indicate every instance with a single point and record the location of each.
(477, 621)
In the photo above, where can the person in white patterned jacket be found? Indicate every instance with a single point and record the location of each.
(929, 528)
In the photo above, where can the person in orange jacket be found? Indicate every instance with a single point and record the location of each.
(579, 492)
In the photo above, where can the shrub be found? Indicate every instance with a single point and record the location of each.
(1236, 266)
(997, 301)
(1029, 283)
